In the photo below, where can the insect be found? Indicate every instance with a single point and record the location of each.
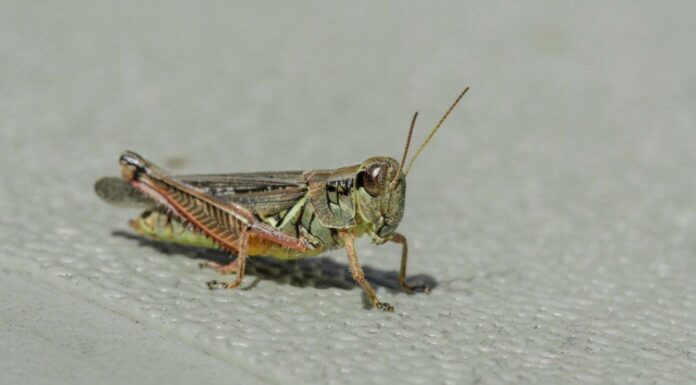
(285, 215)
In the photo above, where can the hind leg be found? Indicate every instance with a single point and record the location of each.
(237, 266)
(230, 268)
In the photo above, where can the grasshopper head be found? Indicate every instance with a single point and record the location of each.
(381, 193)
(381, 185)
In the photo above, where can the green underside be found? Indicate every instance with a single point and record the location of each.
(159, 226)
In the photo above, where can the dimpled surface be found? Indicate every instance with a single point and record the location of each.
(555, 211)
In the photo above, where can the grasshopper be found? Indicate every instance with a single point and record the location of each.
(285, 215)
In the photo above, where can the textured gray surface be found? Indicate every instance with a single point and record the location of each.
(556, 209)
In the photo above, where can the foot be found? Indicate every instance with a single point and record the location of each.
(384, 306)
(215, 284)
(410, 289)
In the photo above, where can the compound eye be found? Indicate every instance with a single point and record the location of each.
(375, 179)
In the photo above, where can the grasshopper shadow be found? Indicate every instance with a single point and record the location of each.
(317, 272)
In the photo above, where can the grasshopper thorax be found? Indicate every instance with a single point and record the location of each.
(380, 196)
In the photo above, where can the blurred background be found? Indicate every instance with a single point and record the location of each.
(555, 210)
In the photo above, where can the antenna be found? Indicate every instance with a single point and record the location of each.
(408, 143)
(432, 132)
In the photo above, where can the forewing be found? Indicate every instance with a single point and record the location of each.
(263, 193)
(243, 183)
